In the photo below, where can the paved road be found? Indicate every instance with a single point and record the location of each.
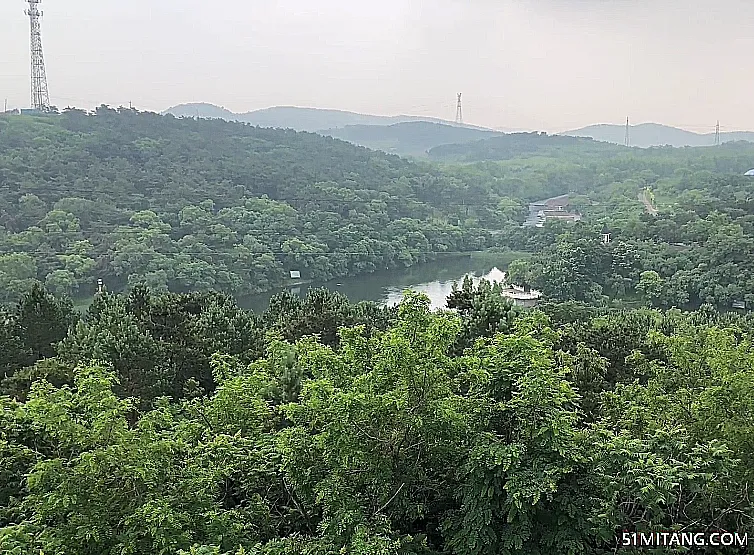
(648, 205)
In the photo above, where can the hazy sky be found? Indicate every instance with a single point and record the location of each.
(544, 64)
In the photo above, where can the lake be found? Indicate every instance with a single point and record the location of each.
(434, 279)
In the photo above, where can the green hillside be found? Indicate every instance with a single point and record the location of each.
(135, 197)
(408, 139)
(186, 205)
(519, 145)
(177, 423)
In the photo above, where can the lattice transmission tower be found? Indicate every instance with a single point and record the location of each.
(40, 97)
(459, 110)
(717, 134)
(628, 133)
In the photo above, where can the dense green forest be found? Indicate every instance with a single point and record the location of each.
(409, 138)
(520, 145)
(199, 205)
(166, 420)
(196, 205)
(701, 252)
(178, 423)
(698, 248)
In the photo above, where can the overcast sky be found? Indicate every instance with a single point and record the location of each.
(534, 64)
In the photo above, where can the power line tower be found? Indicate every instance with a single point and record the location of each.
(40, 97)
(717, 134)
(628, 134)
(459, 110)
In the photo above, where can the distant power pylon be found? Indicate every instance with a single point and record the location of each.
(40, 97)
(628, 134)
(717, 134)
(459, 110)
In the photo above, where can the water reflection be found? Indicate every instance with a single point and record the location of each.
(438, 291)
(434, 279)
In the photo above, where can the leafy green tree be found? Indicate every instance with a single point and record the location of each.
(31, 208)
(650, 286)
(110, 334)
(61, 282)
(545, 437)
(484, 311)
(161, 344)
(17, 273)
(14, 354)
(322, 313)
(43, 321)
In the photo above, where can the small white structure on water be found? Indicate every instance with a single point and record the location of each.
(438, 291)
(522, 296)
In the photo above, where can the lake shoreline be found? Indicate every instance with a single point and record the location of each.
(376, 286)
(494, 257)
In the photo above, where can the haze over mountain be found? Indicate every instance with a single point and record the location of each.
(686, 64)
(414, 138)
(655, 134)
(417, 135)
(523, 145)
(298, 118)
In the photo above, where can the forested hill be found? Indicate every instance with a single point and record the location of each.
(294, 117)
(190, 205)
(410, 138)
(177, 423)
(518, 145)
(137, 197)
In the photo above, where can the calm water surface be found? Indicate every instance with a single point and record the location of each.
(434, 279)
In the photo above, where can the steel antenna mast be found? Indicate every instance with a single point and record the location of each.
(40, 97)
(459, 110)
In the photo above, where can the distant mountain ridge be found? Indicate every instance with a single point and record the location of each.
(300, 119)
(648, 135)
(415, 138)
(417, 135)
